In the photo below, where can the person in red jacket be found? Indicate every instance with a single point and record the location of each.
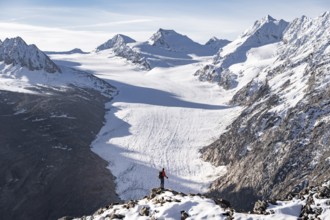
(162, 176)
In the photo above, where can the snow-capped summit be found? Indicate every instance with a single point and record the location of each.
(118, 45)
(168, 39)
(171, 40)
(16, 52)
(264, 31)
(115, 42)
(216, 43)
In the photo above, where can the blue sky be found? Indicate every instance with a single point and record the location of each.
(65, 24)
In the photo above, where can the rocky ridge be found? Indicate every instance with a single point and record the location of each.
(279, 144)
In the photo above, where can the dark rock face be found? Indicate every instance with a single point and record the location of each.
(47, 167)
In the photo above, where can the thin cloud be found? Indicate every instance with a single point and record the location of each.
(107, 24)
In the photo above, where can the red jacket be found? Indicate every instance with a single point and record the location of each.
(164, 174)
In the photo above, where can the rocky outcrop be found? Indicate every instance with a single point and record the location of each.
(308, 204)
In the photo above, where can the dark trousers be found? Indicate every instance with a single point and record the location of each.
(162, 183)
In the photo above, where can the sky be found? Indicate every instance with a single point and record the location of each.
(59, 25)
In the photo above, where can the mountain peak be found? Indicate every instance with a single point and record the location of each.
(268, 18)
(15, 42)
(217, 43)
(325, 14)
(16, 52)
(116, 41)
(170, 39)
(267, 25)
(162, 36)
(166, 31)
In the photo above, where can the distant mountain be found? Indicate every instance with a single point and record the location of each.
(45, 156)
(280, 142)
(73, 51)
(265, 31)
(173, 41)
(216, 43)
(16, 52)
(117, 41)
(119, 46)
(164, 48)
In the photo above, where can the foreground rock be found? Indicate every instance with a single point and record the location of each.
(169, 204)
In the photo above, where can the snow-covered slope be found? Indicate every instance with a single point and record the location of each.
(263, 32)
(280, 141)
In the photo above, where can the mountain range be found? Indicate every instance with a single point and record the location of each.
(275, 76)
(165, 48)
